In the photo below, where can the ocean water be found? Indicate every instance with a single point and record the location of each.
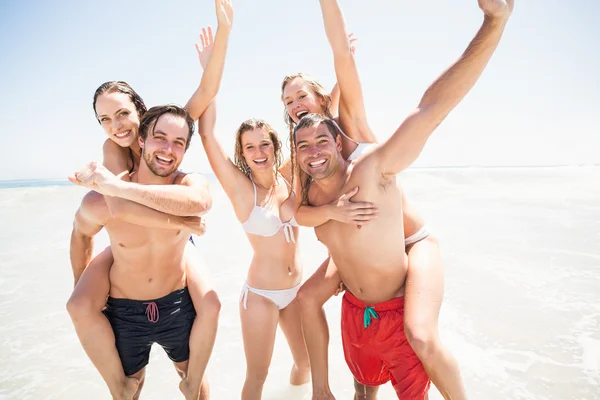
(522, 302)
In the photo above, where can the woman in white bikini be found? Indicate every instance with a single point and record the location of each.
(263, 201)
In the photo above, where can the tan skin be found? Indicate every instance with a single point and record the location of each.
(148, 262)
(425, 254)
(118, 117)
(326, 282)
(275, 263)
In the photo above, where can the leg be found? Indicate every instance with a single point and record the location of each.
(93, 329)
(364, 392)
(323, 284)
(424, 294)
(259, 326)
(140, 377)
(204, 330)
(291, 325)
(182, 371)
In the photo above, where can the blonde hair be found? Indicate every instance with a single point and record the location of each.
(322, 94)
(249, 125)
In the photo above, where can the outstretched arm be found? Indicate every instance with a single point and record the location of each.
(212, 58)
(405, 145)
(352, 109)
(335, 92)
(89, 220)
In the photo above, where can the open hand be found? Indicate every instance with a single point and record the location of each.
(205, 47)
(196, 225)
(350, 212)
(224, 13)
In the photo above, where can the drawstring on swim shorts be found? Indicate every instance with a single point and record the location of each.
(368, 314)
(152, 312)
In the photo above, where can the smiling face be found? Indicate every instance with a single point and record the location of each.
(119, 118)
(164, 147)
(257, 147)
(318, 152)
(258, 150)
(303, 95)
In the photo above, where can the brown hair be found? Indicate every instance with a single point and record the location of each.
(149, 119)
(249, 125)
(306, 122)
(321, 93)
(121, 87)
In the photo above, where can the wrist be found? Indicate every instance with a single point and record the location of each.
(496, 20)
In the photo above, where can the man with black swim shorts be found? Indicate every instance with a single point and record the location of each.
(148, 301)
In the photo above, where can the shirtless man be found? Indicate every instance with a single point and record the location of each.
(149, 301)
(371, 259)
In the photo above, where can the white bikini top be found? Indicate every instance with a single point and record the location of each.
(264, 222)
(361, 148)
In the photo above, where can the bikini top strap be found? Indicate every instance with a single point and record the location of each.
(253, 184)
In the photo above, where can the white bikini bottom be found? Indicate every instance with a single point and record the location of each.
(282, 298)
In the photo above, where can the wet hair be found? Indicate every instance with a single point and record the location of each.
(308, 121)
(121, 87)
(148, 122)
(249, 125)
(322, 94)
(318, 90)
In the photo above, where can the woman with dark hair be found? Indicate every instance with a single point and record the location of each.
(118, 109)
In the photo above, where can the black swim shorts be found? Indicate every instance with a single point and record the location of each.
(140, 323)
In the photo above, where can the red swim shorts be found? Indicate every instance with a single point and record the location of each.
(376, 348)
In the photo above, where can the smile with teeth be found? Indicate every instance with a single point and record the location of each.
(301, 114)
(260, 161)
(316, 164)
(164, 160)
(123, 134)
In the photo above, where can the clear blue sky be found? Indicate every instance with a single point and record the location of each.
(538, 103)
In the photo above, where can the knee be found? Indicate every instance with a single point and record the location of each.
(424, 340)
(306, 299)
(80, 306)
(211, 306)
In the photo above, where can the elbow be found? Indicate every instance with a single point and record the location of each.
(203, 206)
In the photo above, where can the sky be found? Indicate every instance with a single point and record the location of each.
(537, 103)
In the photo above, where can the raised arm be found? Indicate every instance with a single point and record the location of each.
(335, 92)
(89, 220)
(351, 109)
(405, 145)
(234, 182)
(212, 58)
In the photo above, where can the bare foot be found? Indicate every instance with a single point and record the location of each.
(299, 375)
(130, 387)
(189, 392)
(322, 395)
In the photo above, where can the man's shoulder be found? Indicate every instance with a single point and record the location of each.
(94, 203)
(190, 179)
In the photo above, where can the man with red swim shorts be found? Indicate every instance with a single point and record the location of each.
(371, 258)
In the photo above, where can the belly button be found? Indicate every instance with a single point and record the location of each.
(150, 280)
(121, 245)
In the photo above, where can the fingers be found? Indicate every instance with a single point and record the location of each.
(74, 180)
(204, 38)
(211, 38)
(198, 49)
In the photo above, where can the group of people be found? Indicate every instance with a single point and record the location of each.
(150, 287)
